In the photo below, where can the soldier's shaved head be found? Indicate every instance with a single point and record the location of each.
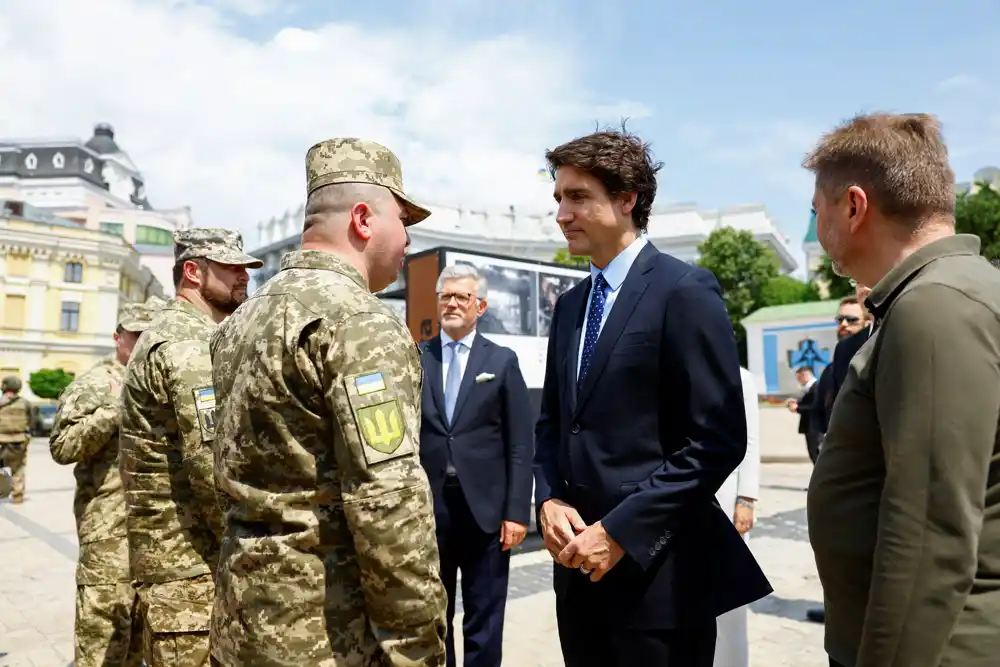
(331, 204)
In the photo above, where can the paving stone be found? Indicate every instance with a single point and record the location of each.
(38, 549)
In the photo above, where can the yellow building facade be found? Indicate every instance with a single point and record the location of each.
(61, 287)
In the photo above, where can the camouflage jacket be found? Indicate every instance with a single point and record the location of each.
(85, 432)
(330, 556)
(15, 420)
(168, 424)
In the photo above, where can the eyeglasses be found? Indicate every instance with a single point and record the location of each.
(850, 319)
(461, 298)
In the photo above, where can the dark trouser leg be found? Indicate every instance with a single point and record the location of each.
(485, 569)
(834, 663)
(813, 440)
(587, 642)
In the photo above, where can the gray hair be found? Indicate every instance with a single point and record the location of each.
(463, 271)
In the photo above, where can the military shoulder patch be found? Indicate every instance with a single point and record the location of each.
(382, 426)
(204, 405)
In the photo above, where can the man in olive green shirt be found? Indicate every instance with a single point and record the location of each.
(904, 502)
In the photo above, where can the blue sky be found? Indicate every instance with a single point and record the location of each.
(472, 93)
(734, 94)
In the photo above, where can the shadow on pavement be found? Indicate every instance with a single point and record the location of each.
(794, 610)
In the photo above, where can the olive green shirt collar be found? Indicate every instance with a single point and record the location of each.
(883, 294)
(317, 259)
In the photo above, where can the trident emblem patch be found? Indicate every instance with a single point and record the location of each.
(381, 426)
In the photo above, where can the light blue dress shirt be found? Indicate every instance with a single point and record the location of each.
(614, 274)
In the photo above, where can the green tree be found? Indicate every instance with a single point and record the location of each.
(49, 383)
(744, 267)
(837, 286)
(979, 214)
(786, 289)
(563, 257)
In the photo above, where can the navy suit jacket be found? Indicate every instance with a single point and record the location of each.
(644, 444)
(491, 439)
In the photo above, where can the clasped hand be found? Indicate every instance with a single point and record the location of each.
(574, 544)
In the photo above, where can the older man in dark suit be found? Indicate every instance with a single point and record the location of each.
(476, 444)
(641, 422)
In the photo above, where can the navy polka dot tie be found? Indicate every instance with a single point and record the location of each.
(594, 316)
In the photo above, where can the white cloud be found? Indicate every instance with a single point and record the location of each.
(773, 150)
(222, 123)
(960, 82)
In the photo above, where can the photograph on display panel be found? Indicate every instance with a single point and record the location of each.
(550, 287)
(512, 299)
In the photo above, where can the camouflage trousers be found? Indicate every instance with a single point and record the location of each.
(176, 617)
(108, 628)
(14, 455)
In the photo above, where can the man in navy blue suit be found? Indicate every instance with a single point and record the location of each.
(642, 420)
(476, 444)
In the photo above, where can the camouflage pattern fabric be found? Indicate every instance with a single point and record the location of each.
(14, 439)
(173, 518)
(359, 161)
(178, 613)
(85, 432)
(330, 558)
(108, 629)
(219, 245)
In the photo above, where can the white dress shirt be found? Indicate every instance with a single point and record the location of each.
(614, 275)
(448, 356)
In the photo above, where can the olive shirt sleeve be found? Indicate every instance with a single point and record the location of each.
(937, 391)
(187, 379)
(371, 377)
(88, 417)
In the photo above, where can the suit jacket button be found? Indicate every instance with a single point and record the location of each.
(652, 552)
(663, 540)
(574, 429)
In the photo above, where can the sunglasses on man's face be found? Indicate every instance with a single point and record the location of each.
(850, 319)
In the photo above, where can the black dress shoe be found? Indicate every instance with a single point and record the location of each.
(816, 615)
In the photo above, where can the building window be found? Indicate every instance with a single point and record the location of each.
(74, 272)
(116, 228)
(153, 236)
(70, 320)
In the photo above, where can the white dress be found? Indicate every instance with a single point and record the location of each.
(731, 648)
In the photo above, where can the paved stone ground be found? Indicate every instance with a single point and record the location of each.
(38, 554)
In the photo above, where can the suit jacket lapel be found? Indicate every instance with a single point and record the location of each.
(576, 305)
(433, 375)
(477, 358)
(632, 289)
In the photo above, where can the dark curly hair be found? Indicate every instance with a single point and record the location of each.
(619, 160)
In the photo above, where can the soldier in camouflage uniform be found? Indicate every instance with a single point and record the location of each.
(329, 558)
(168, 425)
(108, 628)
(15, 434)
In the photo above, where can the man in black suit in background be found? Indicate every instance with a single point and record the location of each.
(642, 420)
(476, 444)
(805, 407)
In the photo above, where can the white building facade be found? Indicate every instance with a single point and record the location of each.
(96, 185)
(676, 230)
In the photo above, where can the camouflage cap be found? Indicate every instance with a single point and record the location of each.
(11, 383)
(359, 161)
(138, 316)
(219, 245)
